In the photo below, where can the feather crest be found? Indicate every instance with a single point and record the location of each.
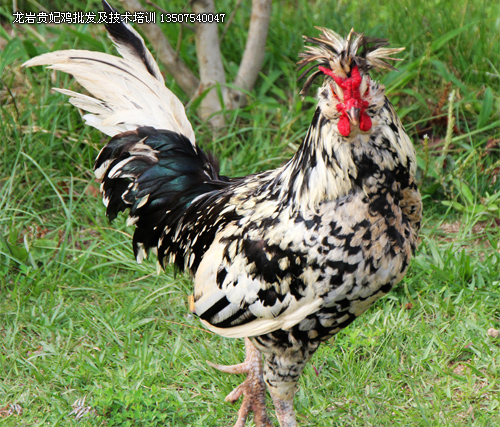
(332, 51)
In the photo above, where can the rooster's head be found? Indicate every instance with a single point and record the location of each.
(348, 92)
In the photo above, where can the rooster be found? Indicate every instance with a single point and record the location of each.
(285, 258)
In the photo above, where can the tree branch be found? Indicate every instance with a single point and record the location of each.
(210, 58)
(255, 48)
(186, 79)
(209, 62)
(231, 19)
(183, 24)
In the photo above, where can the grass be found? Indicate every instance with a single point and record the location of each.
(79, 319)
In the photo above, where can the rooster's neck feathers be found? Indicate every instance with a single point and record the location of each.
(328, 166)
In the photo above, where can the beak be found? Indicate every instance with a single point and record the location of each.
(353, 115)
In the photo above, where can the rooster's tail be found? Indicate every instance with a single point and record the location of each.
(151, 165)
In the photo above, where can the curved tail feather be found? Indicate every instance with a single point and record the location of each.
(127, 92)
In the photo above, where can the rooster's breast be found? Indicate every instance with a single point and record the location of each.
(258, 278)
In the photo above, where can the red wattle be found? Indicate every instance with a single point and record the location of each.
(344, 126)
(365, 123)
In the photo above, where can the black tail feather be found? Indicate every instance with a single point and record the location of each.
(156, 174)
(123, 34)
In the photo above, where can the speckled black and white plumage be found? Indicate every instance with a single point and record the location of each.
(281, 256)
(287, 257)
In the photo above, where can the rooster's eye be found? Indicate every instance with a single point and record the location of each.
(333, 91)
(337, 91)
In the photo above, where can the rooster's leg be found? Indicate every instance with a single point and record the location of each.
(284, 411)
(253, 388)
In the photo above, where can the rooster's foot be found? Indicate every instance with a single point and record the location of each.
(253, 388)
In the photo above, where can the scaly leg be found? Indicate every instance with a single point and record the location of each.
(284, 411)
(253, 388)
